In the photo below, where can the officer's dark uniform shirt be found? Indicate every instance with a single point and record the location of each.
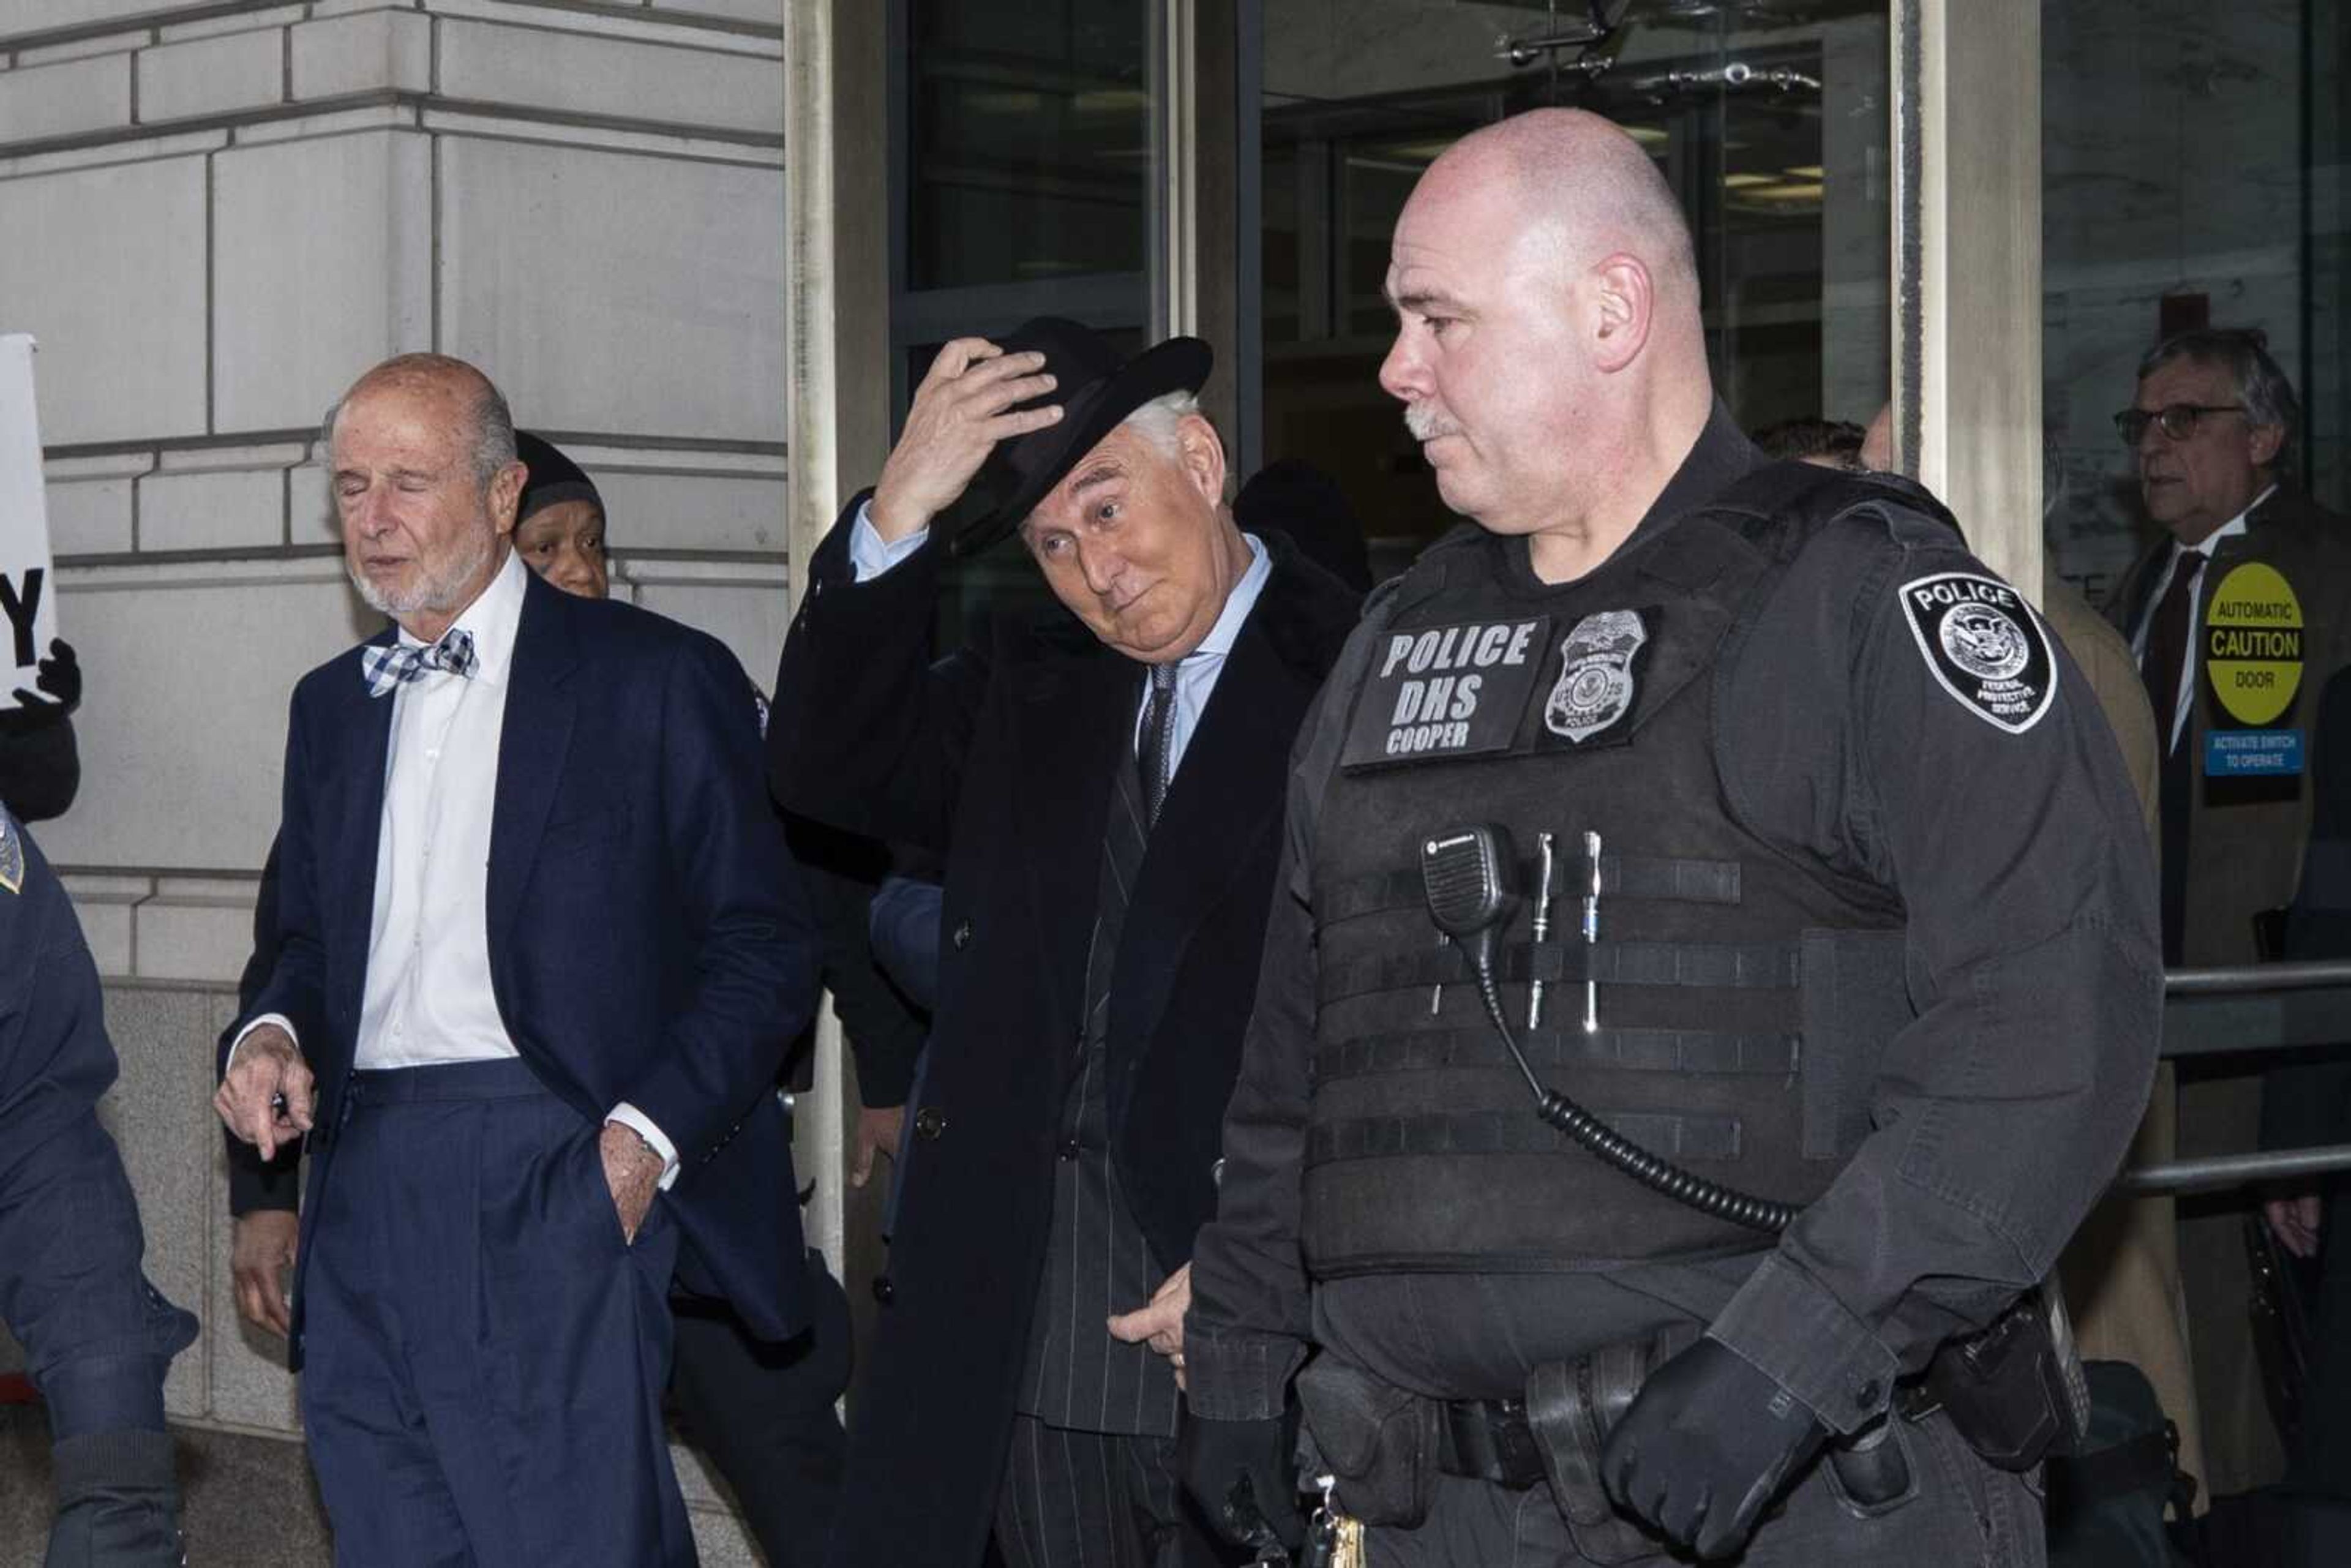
(96, 1334)
(1962, 798)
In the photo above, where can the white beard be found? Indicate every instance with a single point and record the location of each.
(434, 588)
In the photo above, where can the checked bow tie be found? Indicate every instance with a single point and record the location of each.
(385, 668)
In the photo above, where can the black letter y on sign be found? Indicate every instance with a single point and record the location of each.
(20, 612)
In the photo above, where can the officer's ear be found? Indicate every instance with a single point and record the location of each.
(1623, 302)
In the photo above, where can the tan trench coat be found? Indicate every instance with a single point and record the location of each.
(2242, 858)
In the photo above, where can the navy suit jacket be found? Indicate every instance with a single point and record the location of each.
(649, 940)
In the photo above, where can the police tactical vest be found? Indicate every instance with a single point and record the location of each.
(1709, 996)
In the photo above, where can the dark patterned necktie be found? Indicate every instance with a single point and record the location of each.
(1155, 755)
(385, 669)
(2166, 643)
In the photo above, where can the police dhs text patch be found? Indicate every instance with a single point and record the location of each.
(1446, 691)
(1984, 646)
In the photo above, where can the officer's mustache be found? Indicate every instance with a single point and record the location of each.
(1427, 422)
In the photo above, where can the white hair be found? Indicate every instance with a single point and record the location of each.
(1156, 421)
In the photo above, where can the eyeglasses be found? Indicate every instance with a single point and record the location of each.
(2177, 419)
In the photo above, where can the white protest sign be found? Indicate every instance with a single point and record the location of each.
(29, 614)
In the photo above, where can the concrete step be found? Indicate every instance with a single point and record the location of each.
(245, 1501)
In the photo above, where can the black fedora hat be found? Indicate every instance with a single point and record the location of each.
(1096, 389)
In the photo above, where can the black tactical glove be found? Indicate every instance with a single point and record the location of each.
(60, 675)
(1244, 1475)
(1705, 1446)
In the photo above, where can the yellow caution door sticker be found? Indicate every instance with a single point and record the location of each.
(2252, 649)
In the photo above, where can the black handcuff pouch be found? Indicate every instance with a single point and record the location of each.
(2016, 1392)
(1381, 1443)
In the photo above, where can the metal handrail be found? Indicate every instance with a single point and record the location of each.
(2244, 1008)
(2256, 1006)
(2232, 980)
(2213, 1172)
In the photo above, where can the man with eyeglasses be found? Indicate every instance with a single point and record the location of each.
(2237, 621)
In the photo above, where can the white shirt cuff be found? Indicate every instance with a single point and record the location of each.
(639, 1123)
(868, 556)
(280, 1019)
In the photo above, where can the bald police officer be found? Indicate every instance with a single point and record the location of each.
(97, 1335)
(1830, 889)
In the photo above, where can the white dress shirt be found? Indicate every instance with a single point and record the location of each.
(1195, 672)
(2186, 701)
(427, 999)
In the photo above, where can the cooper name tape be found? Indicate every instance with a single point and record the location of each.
(1446, 691)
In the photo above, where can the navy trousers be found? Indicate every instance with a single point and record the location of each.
(486, 1354)
(98, 1337)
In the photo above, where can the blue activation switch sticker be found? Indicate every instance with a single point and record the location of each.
(2251, 753)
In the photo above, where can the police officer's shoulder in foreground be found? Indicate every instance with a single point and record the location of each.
(1894, 670)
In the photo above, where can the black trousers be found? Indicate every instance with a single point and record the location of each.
(1957, 1509)
(1097, 1500)
(765, 1415)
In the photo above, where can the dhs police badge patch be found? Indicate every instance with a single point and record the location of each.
(1595, 677)
(1984, 646)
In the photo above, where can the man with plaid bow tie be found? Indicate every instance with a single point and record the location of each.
(541, 950)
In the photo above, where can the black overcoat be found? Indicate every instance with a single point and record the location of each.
(1003, 763)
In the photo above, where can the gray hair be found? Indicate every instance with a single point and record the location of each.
(2261, 387)
(493, 421)
(1158, 420)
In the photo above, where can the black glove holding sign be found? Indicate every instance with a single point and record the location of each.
(1705, 1445)
(59, 676)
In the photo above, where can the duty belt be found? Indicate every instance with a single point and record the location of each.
(1490, 1440)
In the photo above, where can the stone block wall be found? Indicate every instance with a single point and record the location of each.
(218, 215)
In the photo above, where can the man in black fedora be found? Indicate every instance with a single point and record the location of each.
(1105, 786)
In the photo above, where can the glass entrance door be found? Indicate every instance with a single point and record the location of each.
(1771, 120)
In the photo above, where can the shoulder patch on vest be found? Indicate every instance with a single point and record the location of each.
(1984, 646)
